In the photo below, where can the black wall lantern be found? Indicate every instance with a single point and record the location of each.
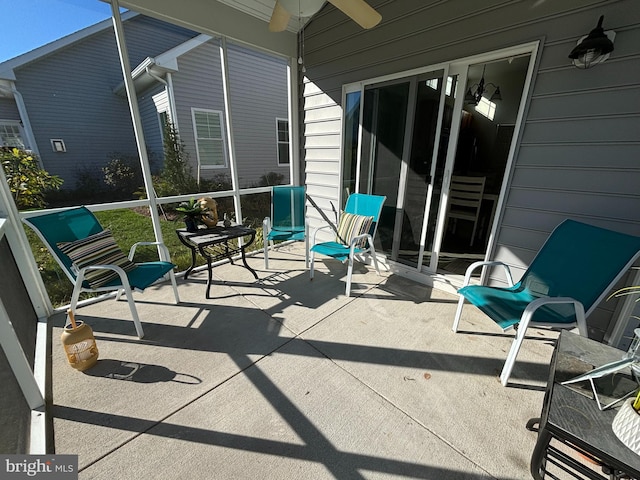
(594, 48)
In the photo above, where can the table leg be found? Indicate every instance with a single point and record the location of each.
(193, 263)
(246, 265)
(244, 258)
(539, 454)
(193, 257)
(209, 271)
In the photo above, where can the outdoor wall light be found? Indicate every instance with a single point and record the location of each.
(476, 91)
(594, 48)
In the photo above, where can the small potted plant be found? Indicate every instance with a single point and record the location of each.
(192, 211)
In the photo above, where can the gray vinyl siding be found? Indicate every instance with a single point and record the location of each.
(198, 84)
(258, 85)
(579, 146)
(68, 95)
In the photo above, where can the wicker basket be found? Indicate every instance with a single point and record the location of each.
(626, 426)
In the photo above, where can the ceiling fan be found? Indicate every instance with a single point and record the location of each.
(358, 10)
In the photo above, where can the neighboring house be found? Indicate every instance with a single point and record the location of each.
(67, 102)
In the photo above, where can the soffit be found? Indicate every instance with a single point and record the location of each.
(245, 21)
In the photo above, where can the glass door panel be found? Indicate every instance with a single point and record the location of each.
(350, 148)
(383, 137)
(424, 173)
(489, 111)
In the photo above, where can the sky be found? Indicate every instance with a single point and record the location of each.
(29, 24)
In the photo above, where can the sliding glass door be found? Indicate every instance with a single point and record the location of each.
(412, 138)
(401, 156)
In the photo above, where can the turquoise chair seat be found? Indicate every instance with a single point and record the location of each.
(280, 234)
(357, 204)
(336, 250)
(506, 305)
(144, 275)
(572, 273)
(75, 224)
(288, 220)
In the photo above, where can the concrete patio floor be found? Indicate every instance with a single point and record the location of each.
(284, 378)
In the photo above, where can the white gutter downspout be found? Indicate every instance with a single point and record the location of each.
(230, 140)
(137, 124)
(168, 85)
(172, 102)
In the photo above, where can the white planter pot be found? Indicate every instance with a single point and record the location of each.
(626, 426)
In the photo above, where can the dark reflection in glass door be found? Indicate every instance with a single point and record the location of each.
(384, 121)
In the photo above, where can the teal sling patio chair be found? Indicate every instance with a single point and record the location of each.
(91, 259)
(571, 274)
(287, 220)
(355, 233)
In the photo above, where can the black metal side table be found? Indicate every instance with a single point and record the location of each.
(570, 415)
(213, 244)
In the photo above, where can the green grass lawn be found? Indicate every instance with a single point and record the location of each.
(128, 227)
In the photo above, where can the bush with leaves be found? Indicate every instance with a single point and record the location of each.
(27, 181)
(123, 174)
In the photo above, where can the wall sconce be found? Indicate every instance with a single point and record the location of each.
(594, 48)
(475, 92)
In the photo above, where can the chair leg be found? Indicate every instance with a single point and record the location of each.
(311, 260)
(349, 272)
(306, 251)
(473, 233)
(456, 319)
(266, 228)
(175, 286)
(134, 311)
(375, 259)
(513, 353)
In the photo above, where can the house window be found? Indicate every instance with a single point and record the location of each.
(10, 134)
(282, 133)
(486, 108)
(207, 125)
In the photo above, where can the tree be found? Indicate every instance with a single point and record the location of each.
(27, 181)
(176, 177)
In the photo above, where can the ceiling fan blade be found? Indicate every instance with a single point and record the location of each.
(279, 18)
(360, 12)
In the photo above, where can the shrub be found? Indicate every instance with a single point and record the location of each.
(270, 179)
(123, 174)
(27, 181)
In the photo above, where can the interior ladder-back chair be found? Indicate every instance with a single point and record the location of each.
(91, 259)
(574, 270)
(356, 230)
(287, 221)
(465, 200)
